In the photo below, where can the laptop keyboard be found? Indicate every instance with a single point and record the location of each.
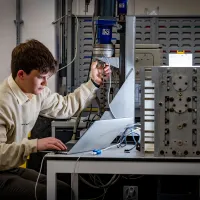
(70, 144)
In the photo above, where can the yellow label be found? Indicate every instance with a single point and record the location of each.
(180, 52)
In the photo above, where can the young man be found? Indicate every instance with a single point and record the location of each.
(24, 96)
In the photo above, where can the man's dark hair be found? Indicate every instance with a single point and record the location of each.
(32, 55)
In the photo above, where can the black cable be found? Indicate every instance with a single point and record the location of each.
(92, 120)
(98, 104)
(88, 120)
(111, 182)
(128, 150)
(77, 124)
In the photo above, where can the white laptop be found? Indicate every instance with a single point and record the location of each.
(100, 135)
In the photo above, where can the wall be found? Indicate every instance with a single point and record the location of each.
(37, 16)
(7, 35)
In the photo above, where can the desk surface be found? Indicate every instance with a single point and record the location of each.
(115, 161)
(118, 154)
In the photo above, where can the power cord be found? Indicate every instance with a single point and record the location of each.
(100, 184)
(108, 98)
(76, 164)
(40, 173)
(112, 181)
(110, 85)
(133, 177)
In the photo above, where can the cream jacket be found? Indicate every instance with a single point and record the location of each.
(18, 115)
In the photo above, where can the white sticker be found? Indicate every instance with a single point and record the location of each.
(105, 31)
(121, 5)
(180, 60)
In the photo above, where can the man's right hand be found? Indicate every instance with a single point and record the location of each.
(50, 143)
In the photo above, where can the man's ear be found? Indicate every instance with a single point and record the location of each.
(21, 74)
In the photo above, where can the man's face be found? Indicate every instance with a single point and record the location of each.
(35, 82)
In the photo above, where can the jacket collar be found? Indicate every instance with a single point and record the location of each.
(19, 94)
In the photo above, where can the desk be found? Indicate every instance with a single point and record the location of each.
(114, 161)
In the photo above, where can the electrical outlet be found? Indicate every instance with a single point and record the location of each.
(130, 193)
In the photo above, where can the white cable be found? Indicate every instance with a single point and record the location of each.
(39, 176)
(76, 45)
(115, 145)
(75, 166)
(76, 42)
(109, 147)
(108, 98)
(54, 22)
(40, 173)
(110, 85)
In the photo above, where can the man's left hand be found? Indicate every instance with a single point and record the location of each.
(98, 73)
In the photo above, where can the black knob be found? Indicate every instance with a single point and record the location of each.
(166, 130)
(195, 99)
(161, 152)
(171, 99)
(166, 121)
(194, 131)
(166, 98)
(195, 88)
(194, 121)
(174, 153)
(189, 99)
(195, 79)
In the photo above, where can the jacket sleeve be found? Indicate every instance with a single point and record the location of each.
(12, 154)
(58, 106)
